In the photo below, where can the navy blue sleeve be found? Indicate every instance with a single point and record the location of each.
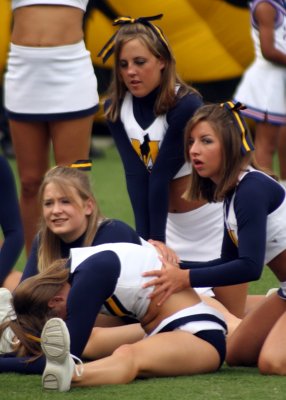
(115, 231)
(93, 282)
(21, 365)
(149, 192)
(10, 221)
(137, 178)
(31, 267)
(256, 197)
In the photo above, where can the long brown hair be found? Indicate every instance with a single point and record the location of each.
(167, 95)
(233, 159)
(66, 178)
(30, 303)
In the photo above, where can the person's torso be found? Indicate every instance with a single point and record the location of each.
(280, 27)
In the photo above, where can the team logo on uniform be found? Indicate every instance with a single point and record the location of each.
(147, 151)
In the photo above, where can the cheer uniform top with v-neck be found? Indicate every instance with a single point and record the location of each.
(152, 151)
(255, 232)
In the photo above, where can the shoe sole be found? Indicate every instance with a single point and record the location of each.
(55, 343)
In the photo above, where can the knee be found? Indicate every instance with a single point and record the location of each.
(125, 351)
(30, 186)
(268, 364)
(127, 358)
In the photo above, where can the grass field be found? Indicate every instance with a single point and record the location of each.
(230, 383)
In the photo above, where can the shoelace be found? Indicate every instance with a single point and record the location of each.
(78, 367)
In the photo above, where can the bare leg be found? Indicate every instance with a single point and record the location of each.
(165, 354)
(233, 298)
(32, 148)
(71, 142)
(272, 358)
(252, 301)
(71, 139)
(103, 341)
(244, 345)
(266, 139)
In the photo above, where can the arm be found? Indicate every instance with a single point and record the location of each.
(93, 282)
(236, 265)
(265, 15)
(22, 365)
(137, 178)
(31, 267)
(115, 231)
(169, 161)
(10, 221)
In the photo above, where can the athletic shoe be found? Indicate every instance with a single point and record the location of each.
(60, 366)
(6, 310)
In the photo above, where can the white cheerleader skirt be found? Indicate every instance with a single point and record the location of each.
(50, 83)
(263, 90)
(197, 235)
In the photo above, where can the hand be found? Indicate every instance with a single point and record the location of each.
(170, 279)
(167, 253)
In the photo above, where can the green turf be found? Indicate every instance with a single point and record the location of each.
(230, 383)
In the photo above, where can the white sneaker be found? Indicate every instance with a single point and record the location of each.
(60, 366)
(6, 310)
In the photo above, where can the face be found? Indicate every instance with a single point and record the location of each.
(205, 151)
(59, 302)
(139, 68)
(65, 216)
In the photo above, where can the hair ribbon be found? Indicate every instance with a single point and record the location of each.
(83, 165)
(108, 48)
(32, 337)
(234, 108)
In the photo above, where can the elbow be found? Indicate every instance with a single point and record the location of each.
(270, 55)
(252, 270)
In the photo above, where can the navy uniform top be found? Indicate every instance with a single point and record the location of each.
(152, 161)
(256, 199)
(110, 231)
(10, 221)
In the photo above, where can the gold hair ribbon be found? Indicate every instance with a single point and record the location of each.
(83, 165)
(32, 337)
(108, 48)
(246, 140)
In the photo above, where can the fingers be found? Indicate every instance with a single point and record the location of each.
(155, 272)
(166, 252)
(153, 282)
(158, 291)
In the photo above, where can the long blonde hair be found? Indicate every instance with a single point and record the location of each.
(65, 178)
